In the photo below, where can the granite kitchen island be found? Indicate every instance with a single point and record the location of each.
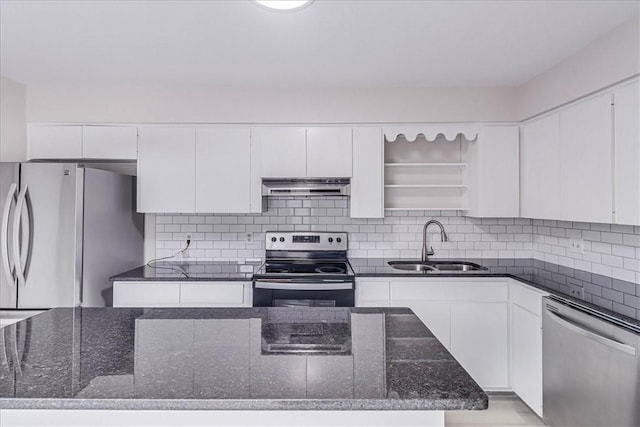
(253, 366)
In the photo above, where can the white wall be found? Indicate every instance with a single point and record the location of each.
(13, 131)
(605, 61)
(220, 105)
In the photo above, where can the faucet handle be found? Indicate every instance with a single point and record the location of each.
(430, 252)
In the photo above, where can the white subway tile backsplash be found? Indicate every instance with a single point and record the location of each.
(609, 250)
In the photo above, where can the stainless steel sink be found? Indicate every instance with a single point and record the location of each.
(411, 266)
(436, 266)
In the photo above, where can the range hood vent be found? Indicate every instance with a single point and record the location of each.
(318, 187)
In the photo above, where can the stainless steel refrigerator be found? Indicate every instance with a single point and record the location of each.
(65, 230)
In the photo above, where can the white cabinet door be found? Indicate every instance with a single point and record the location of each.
(146, 294)
(211, 294)
(372, 294)
(166, 170)
(282, 151)
(494, 190)
(540, 165)
(367, 184)
(586, 149)
(223, 170)
(54, 142)
(479, 341)
(627, 154)
(110, 142)
(435, 314)
(329, 152)
(526, 356)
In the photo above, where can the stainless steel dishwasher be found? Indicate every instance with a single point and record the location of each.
(591, 367)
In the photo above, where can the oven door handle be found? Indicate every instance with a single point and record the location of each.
(311, 286)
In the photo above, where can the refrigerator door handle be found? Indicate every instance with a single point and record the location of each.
(4, 234)
(16, 236)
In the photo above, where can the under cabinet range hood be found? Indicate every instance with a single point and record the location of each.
(318, 187)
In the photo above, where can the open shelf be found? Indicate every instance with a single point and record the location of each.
(425, 176)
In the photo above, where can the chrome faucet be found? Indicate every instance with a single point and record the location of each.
(443, 237)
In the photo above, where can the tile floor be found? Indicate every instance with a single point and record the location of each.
(504, 410)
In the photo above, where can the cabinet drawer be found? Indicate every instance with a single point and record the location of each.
(450, 291)
(146, 294)
(527, 298)
(210, 294)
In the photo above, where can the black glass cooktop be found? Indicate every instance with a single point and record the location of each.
(305, 267)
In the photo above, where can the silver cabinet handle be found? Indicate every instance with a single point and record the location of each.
(16, 236)
(4, 234)
(591, 335)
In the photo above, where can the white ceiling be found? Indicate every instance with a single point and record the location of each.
(327, 44)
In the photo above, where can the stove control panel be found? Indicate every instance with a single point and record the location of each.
(306, 241)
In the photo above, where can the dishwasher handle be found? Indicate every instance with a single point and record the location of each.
(591, 335)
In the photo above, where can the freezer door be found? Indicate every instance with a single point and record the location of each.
(8, 196)
(52, 218)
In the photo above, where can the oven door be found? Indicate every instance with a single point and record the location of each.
(303, 293)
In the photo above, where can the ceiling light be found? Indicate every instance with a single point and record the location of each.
(283, 4)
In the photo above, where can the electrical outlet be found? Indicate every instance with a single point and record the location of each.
(576, 291)
(576, 246)
(248, 237)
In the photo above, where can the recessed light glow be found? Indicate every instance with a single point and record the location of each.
(283, 4)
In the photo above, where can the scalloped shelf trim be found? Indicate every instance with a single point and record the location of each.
(431, 133)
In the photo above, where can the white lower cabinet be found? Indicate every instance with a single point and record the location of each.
(181, 294)
(372, 293)
(526, 344)
(146, 294)
(493, 327)
(479, 341)
(469, 317)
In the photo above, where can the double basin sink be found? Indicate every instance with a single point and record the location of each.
(436, 266)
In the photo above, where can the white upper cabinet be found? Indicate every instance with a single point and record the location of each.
(586, 150)
(494, 187)
(540, 165)
(54, 142)
(166, 172)
(223, 170)
(82, 142)
(329, 152)
(298, 152)
(627, 154)
(110, 142)
(367, 195)
(282, 151)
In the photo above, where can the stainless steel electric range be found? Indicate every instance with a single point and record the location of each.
(305, 269)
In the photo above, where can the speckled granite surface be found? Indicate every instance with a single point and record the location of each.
(552, 278)
(259, 358)
(205, 271)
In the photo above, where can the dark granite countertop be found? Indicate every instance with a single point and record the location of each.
(241, 359)
(191, 271)
(542, 275)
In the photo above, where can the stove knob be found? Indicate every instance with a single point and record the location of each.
(282, 239)
(338, 240)
(330, 239)
(273, 239)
